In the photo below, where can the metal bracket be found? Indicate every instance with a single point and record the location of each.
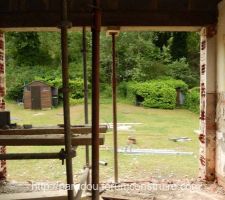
(63, 155)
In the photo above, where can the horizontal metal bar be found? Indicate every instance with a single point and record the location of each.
(30, 156)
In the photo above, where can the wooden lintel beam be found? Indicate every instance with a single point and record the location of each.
(132, 18)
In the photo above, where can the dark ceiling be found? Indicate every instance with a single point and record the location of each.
(46, 13)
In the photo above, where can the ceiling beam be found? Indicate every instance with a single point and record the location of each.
(117, 18)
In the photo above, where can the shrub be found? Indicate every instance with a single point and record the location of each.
(76, 86)
(156, 93)
(74, 102)
(160, 96)
(192, 100)
(15, 91)
(106, 90)
(181, 70)
(122, 89)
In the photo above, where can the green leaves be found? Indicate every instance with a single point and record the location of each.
(141, 57)
(156, 93)
(192, 100)
(25, 48)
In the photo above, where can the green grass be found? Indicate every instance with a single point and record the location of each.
(158, 125)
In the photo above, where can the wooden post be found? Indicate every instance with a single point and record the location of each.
(207, 134)
(3, 169)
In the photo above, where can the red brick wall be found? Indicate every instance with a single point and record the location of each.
(3, 171)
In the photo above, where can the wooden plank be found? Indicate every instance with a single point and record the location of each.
(45, 140)
(84, 5)
(111, 18)
(51, 130)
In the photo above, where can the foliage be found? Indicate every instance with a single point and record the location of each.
(161, 39)
(17, 77)
(25, 48)
(74, 102)
(192, 100)
(76, 86)
(122, 89)
(106, 90)
(141, 57)
(51, 75)
(179, 45)
(180, 70)
(156, 93)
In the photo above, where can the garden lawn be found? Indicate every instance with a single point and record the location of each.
(154, 132)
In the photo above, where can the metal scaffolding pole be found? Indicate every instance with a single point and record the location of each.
(114, 94)
(95, 97)
(84, 51)
(31, 156)
(66, 105)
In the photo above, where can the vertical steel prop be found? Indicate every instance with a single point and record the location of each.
(3, 169)
(96, 26)
(114, 98)
(66, 105)
(84, 51)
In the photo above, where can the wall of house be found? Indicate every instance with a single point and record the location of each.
(220, 118)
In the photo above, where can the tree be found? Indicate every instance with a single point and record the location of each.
(25, 48)
(179, 45)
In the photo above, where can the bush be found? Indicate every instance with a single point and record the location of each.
(161, 96)
(180, 70)
(15, 91)
(76, 86)
(156, 93)
(122, 89)
(192, 100)
(106, 90)
(74, 102)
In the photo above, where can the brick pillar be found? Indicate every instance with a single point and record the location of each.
(207, 135)
(3, 171)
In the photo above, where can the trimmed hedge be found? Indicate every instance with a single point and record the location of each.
(192, 100)
(156, 93)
